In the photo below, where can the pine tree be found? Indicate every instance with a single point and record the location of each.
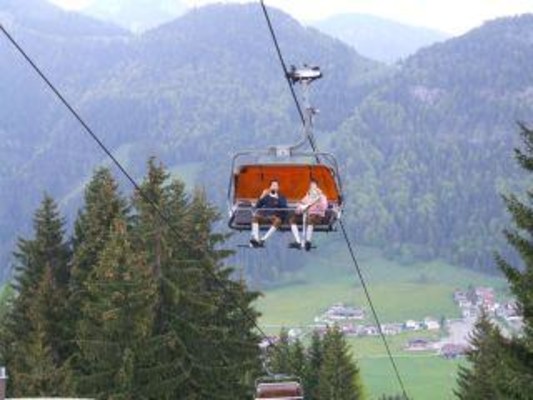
(116, 321)
(484, 379)
(520, 349)
(36, 314)
(314, 365)
(521, 238)
(35, 368)
(207, 344)
(280, 362)
(229, 347)
(499, 367)
(103, 204)
(339, 375)
(298, 359)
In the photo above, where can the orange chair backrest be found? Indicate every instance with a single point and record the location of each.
(294, 180)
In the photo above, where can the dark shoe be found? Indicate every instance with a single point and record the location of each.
(307, 246)
(295, 245)
(254, 242)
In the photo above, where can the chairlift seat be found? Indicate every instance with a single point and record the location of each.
(288, 390)
(250, 180)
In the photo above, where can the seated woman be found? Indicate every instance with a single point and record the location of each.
(311, 211)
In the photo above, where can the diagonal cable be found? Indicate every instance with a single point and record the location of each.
(350, 248)
(374, 310)
(133, 182)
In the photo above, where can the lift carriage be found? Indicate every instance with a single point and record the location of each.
(279, 389)
(292, 168)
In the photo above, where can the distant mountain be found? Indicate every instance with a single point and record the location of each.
(136, 15)
(434, 145)
(191, 91)
(73, 50)
(45, 18)
(379, 38)
(424, 146)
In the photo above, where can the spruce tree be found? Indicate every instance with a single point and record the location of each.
(103, 204)
(35, 367)
(314, 365)
(281, 355)
(36, 314)
(519, 369)
(229, 346)
(483, 380)
(298, 359)
(499, 367)
(116, 321)
(206, 343)
(339, 375)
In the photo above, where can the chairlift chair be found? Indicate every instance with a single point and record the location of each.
(279, 389)
(284, 164)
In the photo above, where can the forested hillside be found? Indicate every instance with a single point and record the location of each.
(423, 145)
(428, 152)
(74, 50)
(182, 92)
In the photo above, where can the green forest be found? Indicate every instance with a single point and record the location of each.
(422, 144)
(139, 303)
(120, 292)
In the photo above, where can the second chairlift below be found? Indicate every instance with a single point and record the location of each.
(293, 190)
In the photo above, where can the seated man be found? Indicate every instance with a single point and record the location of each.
(311, 210)
(269, 209)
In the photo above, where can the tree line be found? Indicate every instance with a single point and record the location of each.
(499, 366)
(138, 303)
(128, 307)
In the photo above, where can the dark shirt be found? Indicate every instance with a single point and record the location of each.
(272, 202)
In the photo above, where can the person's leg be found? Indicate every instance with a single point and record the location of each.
(255, 228)
(294, 228)
(312, 221)
(276, 222)
(254, 240)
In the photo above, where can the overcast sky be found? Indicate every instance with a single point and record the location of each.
(452, 16)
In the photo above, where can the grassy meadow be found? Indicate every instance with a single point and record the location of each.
(399, 292)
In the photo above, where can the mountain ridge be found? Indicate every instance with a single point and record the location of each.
(379, 38)
(399, 132)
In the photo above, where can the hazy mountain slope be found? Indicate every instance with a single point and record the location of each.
(72, 50)
(424, 147)
(434, 144)
(379, 38)
(136, 15)
(183, 92)
(45, 18)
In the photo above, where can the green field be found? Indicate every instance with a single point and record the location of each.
(426, 377)
(399, 292)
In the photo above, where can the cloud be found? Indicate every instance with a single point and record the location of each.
(72, 4)
(453, 16)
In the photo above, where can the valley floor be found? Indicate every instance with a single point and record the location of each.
(400, 293)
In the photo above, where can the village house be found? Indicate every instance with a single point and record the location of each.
(418, 345)
(369, 330)
(411, 325)
(392, 329)
(451, 351)
(339, 312)
(430, 324)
